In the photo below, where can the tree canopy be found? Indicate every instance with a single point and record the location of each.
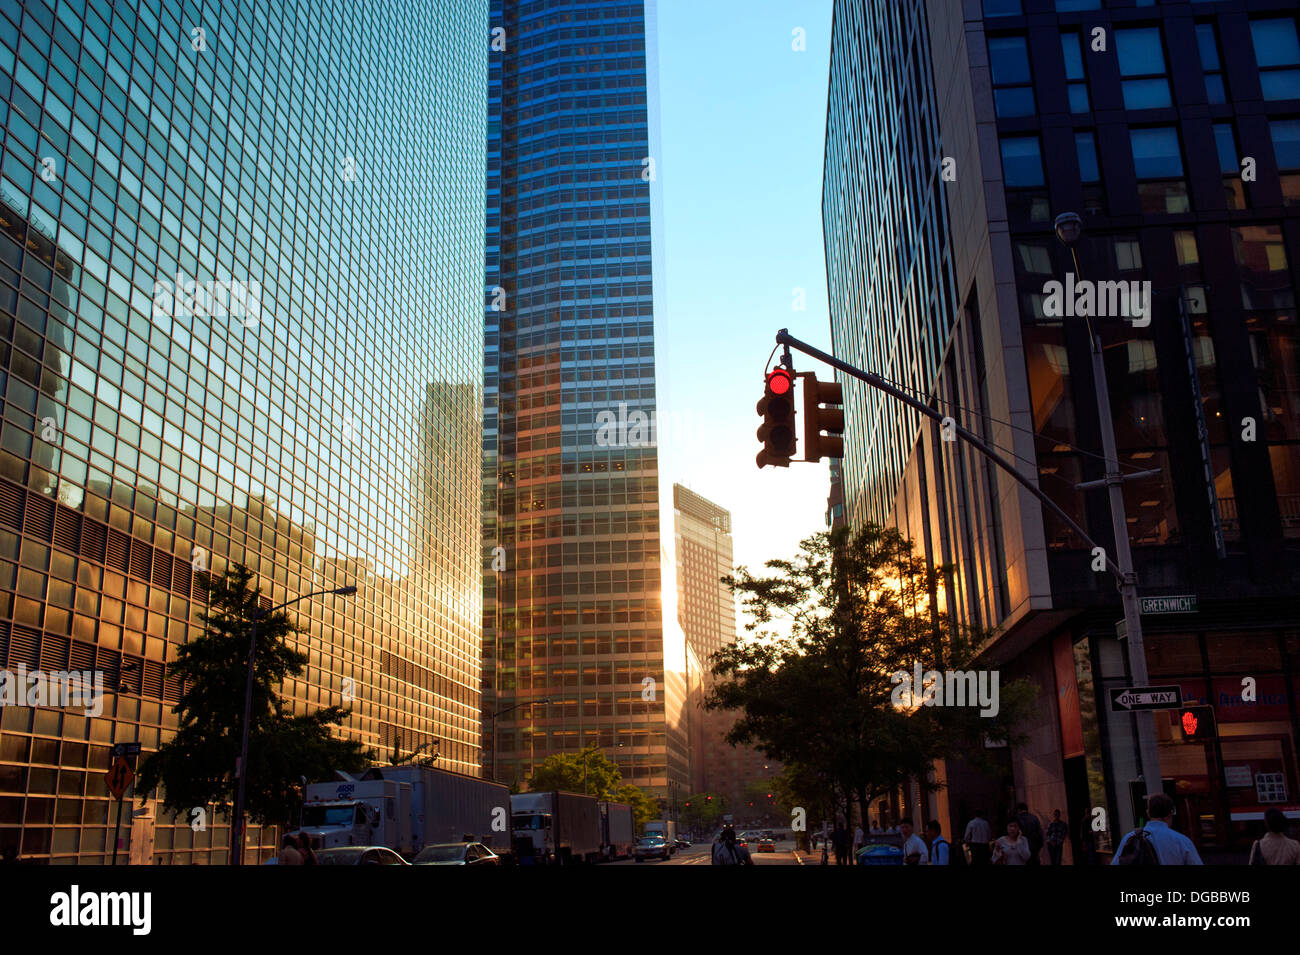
(816, 681)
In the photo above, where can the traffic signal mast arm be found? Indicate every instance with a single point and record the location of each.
(875, 381)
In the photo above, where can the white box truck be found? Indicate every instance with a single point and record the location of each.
(555, 828)
(407, 808)
(617, 831)
(666, 828)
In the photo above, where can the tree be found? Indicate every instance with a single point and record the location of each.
(196, 767)
(565, 771)
(862, 610)
(643, 807)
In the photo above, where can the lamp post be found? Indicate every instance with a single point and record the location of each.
(493, 717)
(1069, 228)
(241, 790)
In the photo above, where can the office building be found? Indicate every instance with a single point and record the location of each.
(956, 134)
(240, 277)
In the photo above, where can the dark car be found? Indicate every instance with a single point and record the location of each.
(457, 853)
(683, 843)
(359, 855)
(649, 847)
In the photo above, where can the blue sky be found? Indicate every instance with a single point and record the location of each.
(743, 119)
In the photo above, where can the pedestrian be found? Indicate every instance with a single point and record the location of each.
(1032, 829)
(977, 837)
(1157, 843)
(840, 841)
(939, 849)
(915, 851)
(1013, 848)
(1275, 847)
(1057, 833)
(304, 848)
(289, 854)
(875, 827)
(859, 840)
(726, 852)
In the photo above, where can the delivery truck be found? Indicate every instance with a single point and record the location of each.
(666, 828)
(555, 828)
(617, 831)
(407, 808)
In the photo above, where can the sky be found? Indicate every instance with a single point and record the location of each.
(743, 121)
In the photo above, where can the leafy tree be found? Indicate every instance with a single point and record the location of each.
(196, 767)
(821, 694)
(565, 771)
(704, 812)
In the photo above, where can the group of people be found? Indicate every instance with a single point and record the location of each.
(1157, 842)
(296, 850)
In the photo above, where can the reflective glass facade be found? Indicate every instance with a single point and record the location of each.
(322, 426)
(572, 610)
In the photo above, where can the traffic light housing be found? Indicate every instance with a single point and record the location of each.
(1197, 723)
(776, 407)
(818, 419)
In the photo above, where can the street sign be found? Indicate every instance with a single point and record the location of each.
(1184, 603)
(129, 750)
(119, 777)
(1129, 698)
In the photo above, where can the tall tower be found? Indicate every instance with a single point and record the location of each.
(572, 600)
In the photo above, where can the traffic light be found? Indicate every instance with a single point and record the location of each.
(1197, 723)
(777, 432)
(817, 419)
(708, 799)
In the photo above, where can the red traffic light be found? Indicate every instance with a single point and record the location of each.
(779, 381)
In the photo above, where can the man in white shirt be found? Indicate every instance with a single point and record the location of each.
(913, 845)
(977, 837)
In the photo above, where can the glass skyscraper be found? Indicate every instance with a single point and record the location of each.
(572, 609)
(241, 254)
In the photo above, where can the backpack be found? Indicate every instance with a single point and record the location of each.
(724, 854)
(1138, 849)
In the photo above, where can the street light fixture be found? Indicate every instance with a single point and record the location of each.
(241, 790)
(1069, 228)
(493, 717)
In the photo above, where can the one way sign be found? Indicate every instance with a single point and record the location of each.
(1128, 698)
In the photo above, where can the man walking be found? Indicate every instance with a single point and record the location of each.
(1171, 846)
(915, 851)
(1032, 830)
(1057, 831)
(939, 848)
(726, 852)
(977, 837)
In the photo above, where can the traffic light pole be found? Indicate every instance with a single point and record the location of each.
(1121, 567)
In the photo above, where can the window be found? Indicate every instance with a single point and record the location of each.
(1277, 52)
(1002, 8)
(1009, 64)
(1070, 6)
(1077, 85)
(1226, 146)
(1286, 147)
(1158, 164)
(1208, 44)
(1085, 147)
(1022, 163)
(1142, 67)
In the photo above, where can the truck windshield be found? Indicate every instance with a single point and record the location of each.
(327, 816)
(532, 821)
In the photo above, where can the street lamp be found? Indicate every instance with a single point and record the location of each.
(1069, 228)
(493, 717)
(241, 790)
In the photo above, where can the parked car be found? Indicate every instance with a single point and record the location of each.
(457, 853)
(649, 847)
(359, 855)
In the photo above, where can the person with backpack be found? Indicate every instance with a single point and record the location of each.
(726, 852)
(1275, 847)
(1032, 830)
(940, 853)
(1157, 843)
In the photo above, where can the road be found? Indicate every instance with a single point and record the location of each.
(700, 854)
